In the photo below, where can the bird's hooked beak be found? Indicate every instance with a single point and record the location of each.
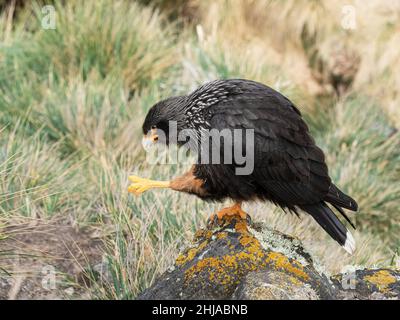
(150, 139)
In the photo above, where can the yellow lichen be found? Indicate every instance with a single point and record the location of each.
(199, 233)
(295, 281)
(382, 279)
(245, 240)
(222, 235)
(202, 245)
(227, 269)
(182, 258)
(252, 245)
(191, 253)
(280, 261)
(202, 233)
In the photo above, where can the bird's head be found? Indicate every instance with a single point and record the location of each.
(160, 118)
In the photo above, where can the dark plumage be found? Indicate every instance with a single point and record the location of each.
(289, 170)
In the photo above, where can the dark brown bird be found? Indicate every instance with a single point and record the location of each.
(289, 169)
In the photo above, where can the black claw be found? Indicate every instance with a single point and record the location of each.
(212, 221)
(248, 219)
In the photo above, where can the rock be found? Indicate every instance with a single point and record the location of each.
(368, 284)
(235, 261)
(274, 285)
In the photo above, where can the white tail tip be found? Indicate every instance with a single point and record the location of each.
(350, 244)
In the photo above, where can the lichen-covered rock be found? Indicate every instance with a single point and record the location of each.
(368, 284)
(235, 261)
(274, 285)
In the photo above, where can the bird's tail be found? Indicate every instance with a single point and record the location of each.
(331, 224)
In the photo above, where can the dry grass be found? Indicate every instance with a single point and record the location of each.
(72, 101)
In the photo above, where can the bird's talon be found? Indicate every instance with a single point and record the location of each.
(212, 221)
(136, 179)
(140, 185)
(220, 216)
(248, 219)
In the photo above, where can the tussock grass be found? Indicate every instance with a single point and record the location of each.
(34, 181)
(363, 152)
(101, 40)
(72, 101)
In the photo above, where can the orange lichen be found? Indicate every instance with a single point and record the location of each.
(382, 279)
(280, 261)
(241, 226)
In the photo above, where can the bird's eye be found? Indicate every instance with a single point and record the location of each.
(154, 127)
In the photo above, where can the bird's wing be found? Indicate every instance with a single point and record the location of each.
(288, 164)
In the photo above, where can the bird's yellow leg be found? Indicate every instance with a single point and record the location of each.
(140, 185)
(187, 182)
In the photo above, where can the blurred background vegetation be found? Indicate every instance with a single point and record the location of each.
(73, 98)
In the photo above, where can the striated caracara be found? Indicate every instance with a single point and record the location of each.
(288, 168)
